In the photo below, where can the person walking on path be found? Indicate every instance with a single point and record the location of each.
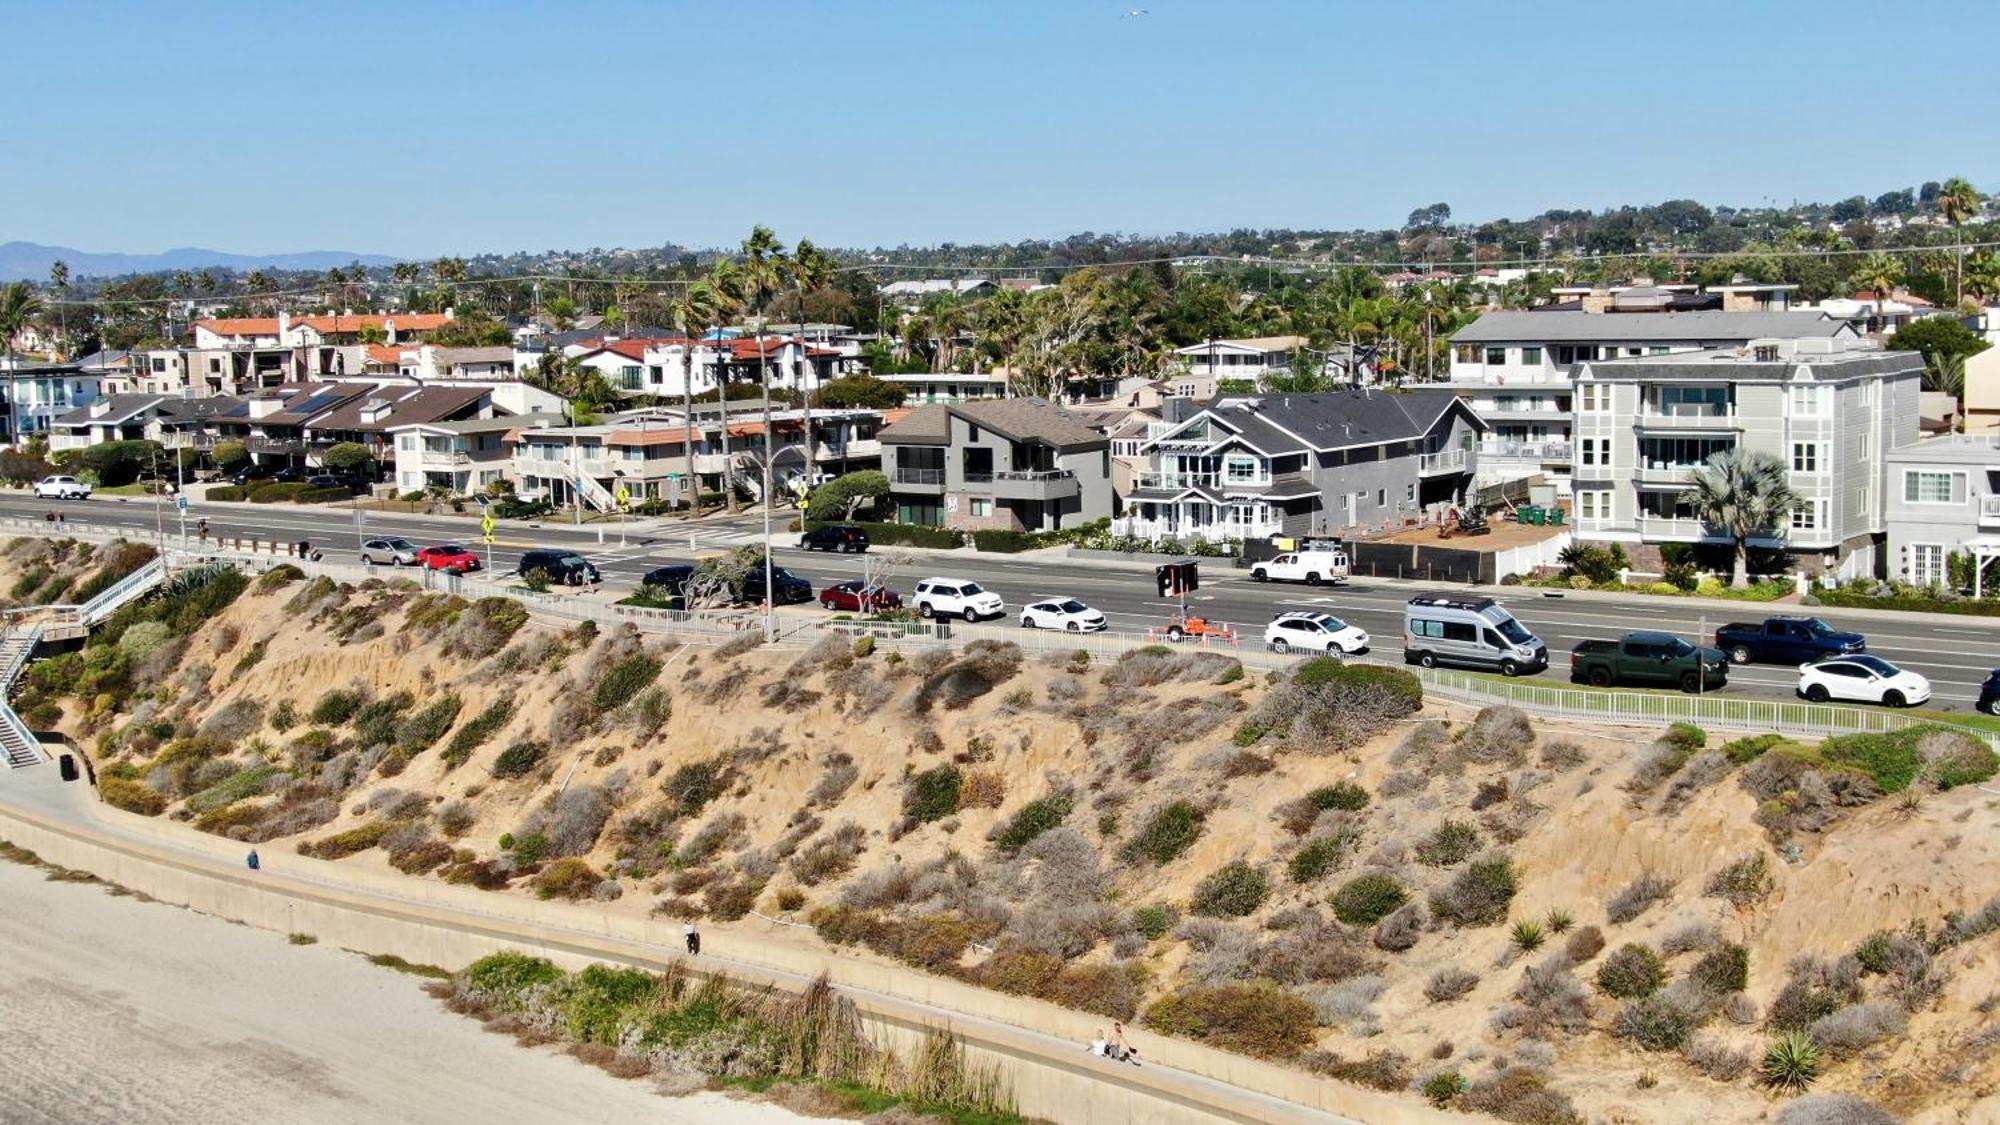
(693, 939)
(252, 861)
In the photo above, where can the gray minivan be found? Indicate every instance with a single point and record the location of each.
(1475, 632)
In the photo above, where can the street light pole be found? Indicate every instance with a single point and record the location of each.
(770, 620)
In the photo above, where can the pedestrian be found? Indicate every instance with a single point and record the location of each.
(1099, 1047)
(693, 939)
(202, 526)
(305, 548)
(1120, 1049)
(62, 518)
(252, 861)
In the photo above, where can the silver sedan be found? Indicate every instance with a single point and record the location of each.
(393, 552)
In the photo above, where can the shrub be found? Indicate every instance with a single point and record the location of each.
(1156, 921)
(569, 878)
(340, 845)
(1314, 860)
(1031, 820)
(1584, 944)
(1792, 1062)
(1477, 896)
(1834, 1109)
(1716, 1059)
(1234, 890)
(933, 794)
(1519, 1094)
(518, 759)
(336, 707)
(1638, 895)
(1343, 795)
(1367, 899)
(1726, 969)
(476, 732)
(1325, 671)
(1253, 1019)
(1450, 983)
(623, 681)
(420, 731)
(1632, 972)
(1685, 737)
(1453, 843)
(133, 797)
(1380, 1070)
(1891, 759)
(1401, 929)
(1744, 882)
(1498, 734)
(1528, 936)
(1857, 1027)
(1169, 832)
(1654, 1023)
(1743, 751)
(1443, 1088)
(693, 785)
(1952, 759)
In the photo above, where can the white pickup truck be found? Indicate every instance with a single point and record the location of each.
(1313, 568)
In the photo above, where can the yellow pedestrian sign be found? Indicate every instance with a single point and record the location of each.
(486, 526)
(624, 497)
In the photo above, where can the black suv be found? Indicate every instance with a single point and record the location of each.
(843, 537)
(789, 588)
(672, 578)
(565, 568)
(1989, 693)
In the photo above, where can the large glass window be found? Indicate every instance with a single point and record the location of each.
(1242, 470)
(1496, 355)
(1531, 356)
(1921, 487)
(1926, 564)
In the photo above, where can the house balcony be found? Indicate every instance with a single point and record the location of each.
(287, 447)
(1190, 530)
(1444, 461)
(847, 450)
(1540, 452)
(1662, 529)
(444, 458)
(1593, 472)
(1027, 484)
(1688, 416)
(1178, 482)
(1989, 511)
(1664, 474)
(918, 480)
(193, 439)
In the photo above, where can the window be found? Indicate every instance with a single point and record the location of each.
(407, 442)
(159, 365)
(1805, 517)
(1807, 402)
(1242, 470)
(982, 509)
(1466, 353)
(1593, 504)
(1805, 457)
(1594, 399)
(1410, 493)
(1460, 631)
(1381, 497)
(1921, 487)
(1926, 564)
(1658, 349)
(1594, 451)
(633, 376)
(1496, 355)
(1531, 356)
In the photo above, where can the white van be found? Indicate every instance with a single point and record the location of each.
(1478, 632)
(1309, 567)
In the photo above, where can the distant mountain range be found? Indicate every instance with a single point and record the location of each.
(30, 261)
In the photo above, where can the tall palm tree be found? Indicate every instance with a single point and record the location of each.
(764, 273)
(727, 281)
(19, 304)
(809, 268)
(1744, 493)
(59, 284)
(1881, 273)
(1982, 276)
(693, 313)
(1958, 203)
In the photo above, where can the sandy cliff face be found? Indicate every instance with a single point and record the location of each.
(1166, 835)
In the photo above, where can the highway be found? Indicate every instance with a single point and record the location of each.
(1956, 654)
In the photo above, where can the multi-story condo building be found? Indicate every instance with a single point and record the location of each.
(1830, 408)
(1516, 368)
(34, 395)
(1304, 464)
(1019, 464)
(1944, 497)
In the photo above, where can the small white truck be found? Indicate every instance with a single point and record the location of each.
(1314, 568)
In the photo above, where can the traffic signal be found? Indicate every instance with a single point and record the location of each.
(1176, 578)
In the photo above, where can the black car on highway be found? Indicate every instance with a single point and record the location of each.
(566, 568)
(843, 537)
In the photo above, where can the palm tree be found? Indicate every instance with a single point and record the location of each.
(1881, 273)
(59, 283)
(809, 268)
(1745, 493)
(19, 304)
(1982, 275)
(1958, 203)
(727, 281)
(693, 313)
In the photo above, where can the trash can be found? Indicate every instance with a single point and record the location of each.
(67, 764)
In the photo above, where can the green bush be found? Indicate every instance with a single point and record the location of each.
(1004, 541)
(693, 785)
(1342, 795)
(1631, 972)
(124, 793)
(1325, 670)
(340, 845)
(475, 733)
(934, 793)
(905, 534)
(1234, 890)
(336, 707)
(224, 494)
(1723, 970)
(1743, 751)
(1654, 1023)
(570, 878)
(1444, 1088)
(420, 731)
(1314, 860)
(1156, 920)
(510, 974)
(1169, 832)
(518, 759)
(321, 495)
(1891, 759)
(1367, 899)
(1033, 819)
(1453, 843)
(1792, 1063)
(1253, 1019)
(624, 680)
(1478, 895)
(275, 493)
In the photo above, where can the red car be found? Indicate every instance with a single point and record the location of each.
(446, 556)
(856, 596)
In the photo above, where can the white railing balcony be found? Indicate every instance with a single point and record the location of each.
(1989, 509)
(1540, 451)
(1672, 527)
(446, 457)
(1442, 461)
(1688, 415)
(1187, 530)
(845, 450)
(1028, 474)
(1664, 474)
(918, 476)
(1174, 482)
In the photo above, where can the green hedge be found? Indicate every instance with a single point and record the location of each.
(322, 496)
(1002, 541)
(227, 493)
(904, 534)
(275, 493)
(1908, 603)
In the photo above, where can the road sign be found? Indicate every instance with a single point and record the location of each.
(486, 526)
(487, 538)
(181, 502)
(624, 497)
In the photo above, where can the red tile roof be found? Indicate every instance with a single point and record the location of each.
(241, 326)
(391, 354)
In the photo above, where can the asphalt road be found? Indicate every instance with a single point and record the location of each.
(1955, 656)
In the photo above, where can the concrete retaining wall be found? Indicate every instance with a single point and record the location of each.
(430, 922)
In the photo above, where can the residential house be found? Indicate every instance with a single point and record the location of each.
(1204, 370)
(1021, 464)
(1515, 369)
(461, 456)
(931, 388)
(118, 372)
(114, 417)
(1982, 392)
(365, 419)
(1943, 497)
(916, 290)
(1831, 408)
(1337, 463)
(663, 367)
(34, 395)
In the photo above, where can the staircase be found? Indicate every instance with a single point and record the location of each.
(593, 493)
(18, 744)
(128, 589)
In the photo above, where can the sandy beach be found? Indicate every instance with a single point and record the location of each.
(115, 1010)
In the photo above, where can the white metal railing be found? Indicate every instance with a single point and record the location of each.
(1033, 474)
(446, 457)
(1442, 461)
(1691, 412)
(919, 476)
(1220, 531)
(1183, 480)
(126, 589)
(1989, 507)
(1671, 526)
(1527, 450)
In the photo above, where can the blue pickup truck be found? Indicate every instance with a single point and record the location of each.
(1786, 640)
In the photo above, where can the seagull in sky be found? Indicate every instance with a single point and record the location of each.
(1135, 12)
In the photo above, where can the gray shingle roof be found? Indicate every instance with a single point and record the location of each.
(1020, 419)
(1534, 326)
(117, 409)
(1336, 419)
(1825, 368)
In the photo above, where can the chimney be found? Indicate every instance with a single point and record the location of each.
(389, 330)
(284, 324)
(263, 406)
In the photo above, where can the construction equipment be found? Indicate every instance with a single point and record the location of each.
(1184, 627)
(1464, 521)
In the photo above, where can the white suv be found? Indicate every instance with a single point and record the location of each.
(61, 488)
(938, 598)
(1313, 632)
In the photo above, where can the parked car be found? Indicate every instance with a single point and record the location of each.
(787, 588)
(1314, 632)
(1067, 614)
(394, 552)
(248, 473)
(672, 578)
(290, 474)
(938, 598)
(448, 556)
(1786, 640)
(1477, 632)
(842, 537)
(858, 596)
(61, 488)
(565, 568)
(1309, 567)
(1649, 658)
(1864, 679)
(333, 480)
(1989, 693)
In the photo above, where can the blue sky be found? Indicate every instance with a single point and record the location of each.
(419, 128)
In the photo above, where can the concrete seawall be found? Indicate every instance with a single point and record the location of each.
(430, 922)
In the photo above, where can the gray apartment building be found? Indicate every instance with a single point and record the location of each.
(1831, 408)
(1304, 464)
(1019, 464)
(1944, 497)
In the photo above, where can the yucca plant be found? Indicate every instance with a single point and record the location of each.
(1559, 921)
(1528, 936)
(1792, 1063)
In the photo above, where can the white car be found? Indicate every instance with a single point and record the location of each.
(395, 552)
(1067, 614)
(1314, 632)
(938, 598)
(1863, 679)
(61, 488)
